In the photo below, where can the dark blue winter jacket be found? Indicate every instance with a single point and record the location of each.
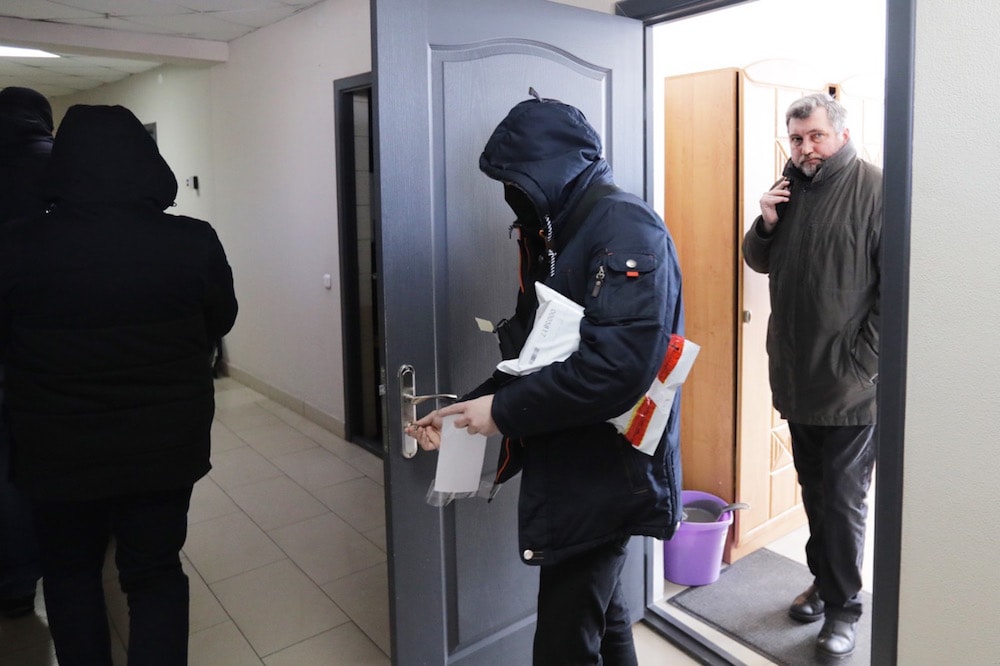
(583, 483)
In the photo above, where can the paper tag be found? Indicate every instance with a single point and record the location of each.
(485, 325)
(460, 459)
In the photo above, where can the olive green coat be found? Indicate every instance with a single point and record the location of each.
(824, 267)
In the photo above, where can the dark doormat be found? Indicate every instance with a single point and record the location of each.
(749, 603)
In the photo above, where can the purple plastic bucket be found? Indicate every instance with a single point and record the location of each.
(694, 555)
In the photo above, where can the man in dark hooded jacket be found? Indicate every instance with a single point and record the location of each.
(108, 311)
(25, 146)
(585, 490)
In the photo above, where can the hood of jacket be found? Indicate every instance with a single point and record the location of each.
(103, 154)
(548, 150)
(25, 119)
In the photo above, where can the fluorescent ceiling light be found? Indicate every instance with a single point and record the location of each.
(17, 52)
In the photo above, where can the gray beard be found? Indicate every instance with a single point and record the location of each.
(810, 169)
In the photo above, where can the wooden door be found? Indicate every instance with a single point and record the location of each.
(447, 71)
(723, 148)
(700, 206)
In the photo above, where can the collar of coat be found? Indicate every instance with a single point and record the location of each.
(830, 168)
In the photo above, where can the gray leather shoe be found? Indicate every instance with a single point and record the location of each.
(807, 607)
(836, 638)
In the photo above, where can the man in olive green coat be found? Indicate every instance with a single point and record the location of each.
(818, 239)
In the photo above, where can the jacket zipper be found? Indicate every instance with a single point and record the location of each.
(505, 460)
(600, 281)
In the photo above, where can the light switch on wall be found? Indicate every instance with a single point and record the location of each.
(327, 281)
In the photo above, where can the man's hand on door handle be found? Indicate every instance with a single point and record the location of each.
(473, 415)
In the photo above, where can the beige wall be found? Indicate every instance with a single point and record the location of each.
(951, 531)
(274, 151)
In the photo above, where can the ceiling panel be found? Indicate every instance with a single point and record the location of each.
(43, 9)
(212, 20)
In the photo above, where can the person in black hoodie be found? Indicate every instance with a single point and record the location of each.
(25, 146)
(109, 308)
(585, 487)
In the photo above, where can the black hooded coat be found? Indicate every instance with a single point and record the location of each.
(109, 309)
(582, 483)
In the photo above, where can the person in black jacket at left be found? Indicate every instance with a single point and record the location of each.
(25, 146)
(109, 308)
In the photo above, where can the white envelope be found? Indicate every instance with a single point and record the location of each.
(554, 336)
(460, 459)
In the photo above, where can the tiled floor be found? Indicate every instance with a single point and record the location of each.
(285, 552)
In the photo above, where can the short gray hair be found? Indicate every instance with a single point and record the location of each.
(803, 107)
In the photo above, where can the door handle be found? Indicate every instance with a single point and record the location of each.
(408, 401)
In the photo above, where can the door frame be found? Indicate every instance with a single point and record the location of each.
(897, 146)
(352, 345)
(898, 161)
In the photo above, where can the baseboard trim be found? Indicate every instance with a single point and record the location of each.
(314, 414)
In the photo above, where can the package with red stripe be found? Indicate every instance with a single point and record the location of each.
(644, 424)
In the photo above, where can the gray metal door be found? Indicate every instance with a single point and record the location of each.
(446, 72)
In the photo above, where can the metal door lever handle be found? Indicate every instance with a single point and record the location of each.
(408, 401)
(417, 399)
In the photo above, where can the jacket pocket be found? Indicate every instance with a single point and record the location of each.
(624, 285)
(855, 368)
(636, 467)
(864, 359)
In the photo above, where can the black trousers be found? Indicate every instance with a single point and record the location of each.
(834, 465)
(149, 531)
(583, 617)
(20, 568)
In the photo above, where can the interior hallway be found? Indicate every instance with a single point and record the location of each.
(285, 552)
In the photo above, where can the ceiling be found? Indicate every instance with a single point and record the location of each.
(98, 42)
